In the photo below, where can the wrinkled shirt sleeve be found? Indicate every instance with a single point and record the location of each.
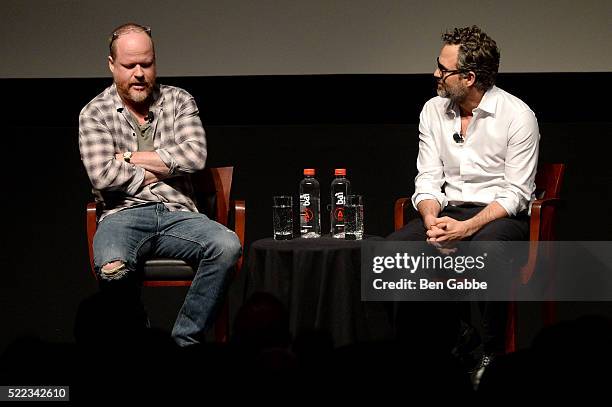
(430, 179)
(188, 155)
(98, 156)
(521, 164)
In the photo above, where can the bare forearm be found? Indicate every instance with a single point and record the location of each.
(149, 160)
(151, 177)
(490, 213)
(429, 207)
(447, 229)
(429, 210)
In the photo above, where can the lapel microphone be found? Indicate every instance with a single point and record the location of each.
(458, 138)
(150, 117)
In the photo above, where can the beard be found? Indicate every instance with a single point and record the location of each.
(456, 93)
(136, 96)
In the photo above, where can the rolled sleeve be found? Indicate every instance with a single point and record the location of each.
(167, 159)
(521, 164)
(417, 198)
(430, 179)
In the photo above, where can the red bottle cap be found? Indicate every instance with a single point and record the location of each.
(340, 171)
(309, 171)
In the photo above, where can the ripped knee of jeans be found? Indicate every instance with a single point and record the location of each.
(115, 270)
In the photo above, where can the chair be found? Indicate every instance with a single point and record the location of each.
(211, 193)
(549, 179)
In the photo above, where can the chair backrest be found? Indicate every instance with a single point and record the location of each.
(548, 180)
(211, 192)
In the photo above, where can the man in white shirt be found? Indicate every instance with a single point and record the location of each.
(478, 153)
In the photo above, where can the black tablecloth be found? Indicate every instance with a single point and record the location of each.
(318, 280)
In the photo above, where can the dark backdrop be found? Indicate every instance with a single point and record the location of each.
(269, 128)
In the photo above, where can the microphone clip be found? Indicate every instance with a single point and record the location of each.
(458, 138)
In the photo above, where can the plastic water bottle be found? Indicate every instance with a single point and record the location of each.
(340, 188)
(310, 205)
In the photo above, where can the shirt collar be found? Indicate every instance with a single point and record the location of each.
(451, 108)
(488, 103)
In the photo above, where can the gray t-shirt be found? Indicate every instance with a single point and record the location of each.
(144, 134)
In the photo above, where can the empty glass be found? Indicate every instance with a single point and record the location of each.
(353, 217)
(282, 217)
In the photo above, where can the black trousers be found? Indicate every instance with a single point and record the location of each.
(493, 313)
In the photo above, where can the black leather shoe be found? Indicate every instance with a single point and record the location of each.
(476, 374)
(467, 347)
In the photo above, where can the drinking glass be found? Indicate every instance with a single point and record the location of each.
(282, 217)
(353, 217)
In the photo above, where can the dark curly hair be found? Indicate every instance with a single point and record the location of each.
(477, 53)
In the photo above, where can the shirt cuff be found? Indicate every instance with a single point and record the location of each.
(418, 197)
(508, 205)
(136, 182)
(167, 159)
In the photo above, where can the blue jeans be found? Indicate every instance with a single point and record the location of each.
(134, 234)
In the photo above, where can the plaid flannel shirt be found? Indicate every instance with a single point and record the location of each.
(179, 139)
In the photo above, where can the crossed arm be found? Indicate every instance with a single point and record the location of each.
(106, 167)
(150, 161)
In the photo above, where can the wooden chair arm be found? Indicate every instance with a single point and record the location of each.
(239, 209)
(400, 206)
(534, 235)
(237, 213)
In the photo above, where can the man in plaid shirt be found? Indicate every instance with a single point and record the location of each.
(138, 142)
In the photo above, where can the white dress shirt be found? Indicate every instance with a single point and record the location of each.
(497, 161)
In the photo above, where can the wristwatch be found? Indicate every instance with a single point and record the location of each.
(127, 156)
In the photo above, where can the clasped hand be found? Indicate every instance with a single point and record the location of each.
(445, 231)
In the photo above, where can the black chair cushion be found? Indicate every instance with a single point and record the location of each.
(167, 269)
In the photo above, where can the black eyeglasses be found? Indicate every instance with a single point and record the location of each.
(447, 72)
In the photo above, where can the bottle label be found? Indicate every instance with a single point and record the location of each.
(308, 215)
(339, 202)
(340, 199)
(305, 199)
(306, 212)
(339, 214)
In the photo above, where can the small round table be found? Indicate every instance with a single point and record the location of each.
(318, 280)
